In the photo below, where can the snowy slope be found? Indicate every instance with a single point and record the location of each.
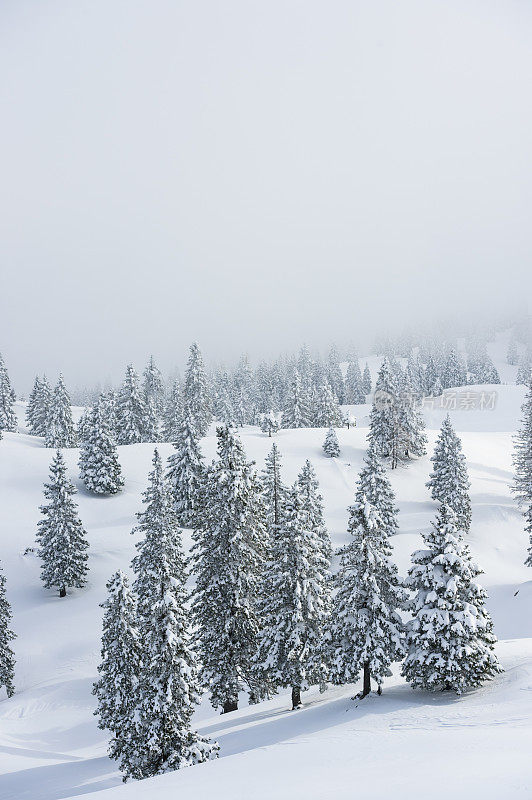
(335, 747)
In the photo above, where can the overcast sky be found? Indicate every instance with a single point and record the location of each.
(254, 174)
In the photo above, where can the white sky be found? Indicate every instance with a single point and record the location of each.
(254, 174)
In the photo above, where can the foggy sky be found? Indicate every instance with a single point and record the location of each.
(254, 174)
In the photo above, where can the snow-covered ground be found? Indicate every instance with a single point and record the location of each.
(403, 744)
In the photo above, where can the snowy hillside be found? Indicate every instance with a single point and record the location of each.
(405, 743)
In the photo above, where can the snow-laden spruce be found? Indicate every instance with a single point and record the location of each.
(367, 632)
(331, 446)
(153, 386)
(119, 670)
(326, 411)
(450, 640)
(173, 413)
(98, 459)
(60, 431)
(294, 604)
(7, 656)
(185, 473)
(366, 381)
(38, 407)
(354, 384)
(269, 423)
(131, 410)
(61, 538)
(449, 482)
(168, 686)
(312, 506)
(196, 393)
(522, 461)
(296, 410)
(8, 419)
(230, 543)
(274, 491)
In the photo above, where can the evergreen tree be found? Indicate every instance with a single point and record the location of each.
(326, 409)
(153, 386)
(168, 686)
(295, 604)
(296, 412)
(196, 394)
(7, 657)
(334, 375)
(524, 373)
(512, 356)
(131, 410)
(173, 413)
(8, 419)
(223, 402)
(366, 381)
(60, 430)
(413, 437)
(41, 409)
(269, 423)
(61, 538)
(454, 372)
(185, 473)
(228, 551)
(449, 482)
(117, 686)
(367, 631)
(98, 460)
(522, 460)
(450, 641)
(274, 492)
(384, 432)
(355, 393)
(312, 506)
(331, 446)
(32, 408)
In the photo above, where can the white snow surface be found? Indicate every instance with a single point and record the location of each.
(403, 744)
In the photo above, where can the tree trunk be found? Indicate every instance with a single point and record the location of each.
(62, 592)
(367, 682)
(296, 697)
(230, 705)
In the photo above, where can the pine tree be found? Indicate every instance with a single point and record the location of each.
(185, 474)
(454, 372)
(450, 640)
(153, 386)
(413, 437)
(61, 538)
(8, 419)
(119, 669)
(7, 656)
(98, 460)
(168, 686)
(32, 407)
(384, 434)
(449, 482)
(331, 446)
(223, 402)
(295, 604)
(173, 414)
(522, 461)
(228, 551)
(41, 409)
(366, 381)
(296, 412)
(196, 394)
(327, 412)
(60, 430)
(274, 492)
(355, 393)
(524, 373)
(512, 356)
(131, 410)
(334, 375)
(312, 506)
(269, 423)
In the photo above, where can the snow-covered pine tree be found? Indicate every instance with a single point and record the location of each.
(131, 410)
(512, 356)
(449, 481)
(7, 656)
(450, 640)
(173, 413)
(153, 386)
(413, 437)
(366, 381)
(32, 408)
(326, 410)
(168, 686)
(230, 545)
(60, 431)
(119, 669)
(196, 392)
(522, 460)
(454, 373)
(269, 423)
(62, 541)
(334, 375)
(367, 631)
(41, 409)
(223, 400)
(354, 384)
(312, 506)
(384, 433)
(295, 604)
(273, 491)
(185, 473)
(331, 446)
(524, 373)
(98, 459)
(296, 411)
(8, 419)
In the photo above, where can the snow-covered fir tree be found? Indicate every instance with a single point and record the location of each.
(168, 687)
(512, 355)
(450, 640)
(367, 632)
(173, 413)
(40, 408)
(449, 482)
(331, 446)
(312, 506)
(412, 425)
(230, 544)
(326, 411)
(153, 386)
(454, 371)
(384, 434)
(269, 423)
(522, 460)
(32, 418)
(296, 411)
(98, 459)
(366, 380)
(524, 373)
(334, 375)
(61, 538)
(7, 656)
(274, 491)
(295, 604)
(196, 393)
(8, 419)
(354, 384)
(185, 473)
(119, 669)
(223, 400)
(131, 410)
(60, 431)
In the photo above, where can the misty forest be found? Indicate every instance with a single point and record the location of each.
(266, 401)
